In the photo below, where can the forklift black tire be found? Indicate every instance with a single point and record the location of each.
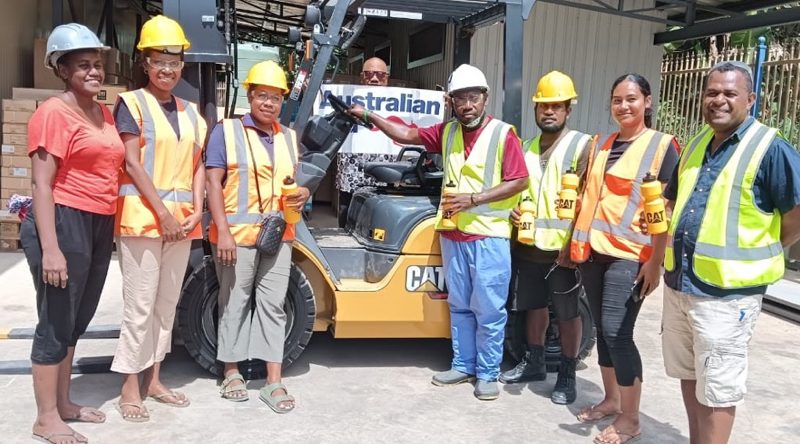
(516, 344)
(197, 320)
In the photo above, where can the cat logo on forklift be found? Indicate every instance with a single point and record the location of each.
(425, 279)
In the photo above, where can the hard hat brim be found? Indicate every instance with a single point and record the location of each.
(50, 60)
(535, 99)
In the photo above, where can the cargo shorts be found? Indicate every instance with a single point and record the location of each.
(706, 339)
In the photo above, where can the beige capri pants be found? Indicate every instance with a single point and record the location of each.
(152, 276)
(253, 334)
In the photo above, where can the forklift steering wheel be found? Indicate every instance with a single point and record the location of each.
(341, 108)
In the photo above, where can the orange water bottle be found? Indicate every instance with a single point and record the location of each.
(291, 216)
(448, 219)
(526, 221)
(568, 197)
(653, 205)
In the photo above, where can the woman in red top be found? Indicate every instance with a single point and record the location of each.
(76, 158)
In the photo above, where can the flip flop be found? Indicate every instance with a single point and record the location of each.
(51, 438)
(182, 400)
(226, 389)
(629, 438)
(585, 415)
(145, 415)
(89, 415)
(265, 394)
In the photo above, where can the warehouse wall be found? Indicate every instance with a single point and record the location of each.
(591, 47)
(20, 23)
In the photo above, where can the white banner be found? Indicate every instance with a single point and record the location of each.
(412, 107)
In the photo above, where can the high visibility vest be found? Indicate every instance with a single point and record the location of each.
(612, 201)
(168, 161)
(482, 170)
(738, 244)
(551, 233)
(239, 192)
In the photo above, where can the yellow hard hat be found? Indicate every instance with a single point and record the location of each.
(266, 73)
(162, 32)
(555, 87)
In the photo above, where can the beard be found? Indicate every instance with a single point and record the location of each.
(551, 128)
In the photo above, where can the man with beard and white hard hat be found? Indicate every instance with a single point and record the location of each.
(542, 273)
(484, 163)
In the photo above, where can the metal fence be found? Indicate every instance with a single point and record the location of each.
(682, 74)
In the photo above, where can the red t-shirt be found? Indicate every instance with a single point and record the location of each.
(89, 158)
(514, 166)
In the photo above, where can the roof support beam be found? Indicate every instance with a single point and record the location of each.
(715, 27)
(512, 63)
(617, 11)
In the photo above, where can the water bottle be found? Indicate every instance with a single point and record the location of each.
(568, 197)
(526, 222)
(653, 205)
(448, 219)
(291, 216)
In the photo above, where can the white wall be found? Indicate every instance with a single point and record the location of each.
(594, 48)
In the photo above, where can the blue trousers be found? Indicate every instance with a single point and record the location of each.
(477, 275)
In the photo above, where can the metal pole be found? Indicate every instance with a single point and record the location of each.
(761, 55)
(58, 12)
(512, 73)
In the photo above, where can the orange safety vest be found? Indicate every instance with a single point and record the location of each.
(169, 162)
(239, 192)
(612, 201)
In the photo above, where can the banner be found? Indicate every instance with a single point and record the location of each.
(412, 107)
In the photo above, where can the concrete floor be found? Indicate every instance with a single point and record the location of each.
(379, 390)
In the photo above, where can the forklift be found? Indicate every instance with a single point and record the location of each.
(381, 275)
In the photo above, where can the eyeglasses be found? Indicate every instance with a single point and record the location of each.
(265, 97)
(366, 75)
(462, 99)
(165, 64)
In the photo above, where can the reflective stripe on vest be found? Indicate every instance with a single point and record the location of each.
(169, 161)
(479, 172)
(551, 232)
(240, 195)
(612, 201)
(738, 245)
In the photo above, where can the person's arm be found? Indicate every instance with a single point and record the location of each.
(790, 227)
(226, 245)
(171, 229)
(54, 265)
(198, 196)
(396, 131)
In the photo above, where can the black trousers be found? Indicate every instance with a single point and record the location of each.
(530, 290)
(608, 283)
(86, 241)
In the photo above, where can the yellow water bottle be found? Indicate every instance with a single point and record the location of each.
(568, 197)
(449, 220)
(653, 205)
(526, 221)
(291, 216)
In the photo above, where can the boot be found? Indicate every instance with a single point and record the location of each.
(531, 368)
(565, 391)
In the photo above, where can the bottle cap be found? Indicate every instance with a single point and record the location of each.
(450, 184)
(649, 177)
(288, 180)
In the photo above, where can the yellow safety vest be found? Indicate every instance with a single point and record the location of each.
(608, 221)
(551, 233)
(482, 170)
(239, 193)
(169, 162)
(738, 244)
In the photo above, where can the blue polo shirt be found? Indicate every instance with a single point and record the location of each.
(217, 156)
(776, 188)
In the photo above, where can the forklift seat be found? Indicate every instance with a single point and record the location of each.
(393, 172)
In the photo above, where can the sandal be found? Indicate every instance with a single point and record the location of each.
(181, 400)
(227, 389)
(589, 415)
(265, 394)
(142, 416)
(53, 438)
(86, 414)
(622, 437)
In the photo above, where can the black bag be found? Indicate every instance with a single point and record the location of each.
(272, 226)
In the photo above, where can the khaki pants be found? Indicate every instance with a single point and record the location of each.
(253, 334)
(152, 275)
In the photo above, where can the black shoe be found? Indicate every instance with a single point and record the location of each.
(565, 391)
(531, 368)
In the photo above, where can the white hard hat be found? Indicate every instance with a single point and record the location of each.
(467, 76)
(69, 37)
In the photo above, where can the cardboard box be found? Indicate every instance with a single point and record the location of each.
(15, 161)
(15, 128)
(6, 193)
(9, 244)
(17, 116)
(108, 95)
(3, 204)
(15, 172)
(43, 77)
(18, 105)
(39, 95)
(19, 183)
(9, 227)
(14, 150)
(18, 140)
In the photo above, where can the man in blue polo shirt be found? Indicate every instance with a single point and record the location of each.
(736, 199)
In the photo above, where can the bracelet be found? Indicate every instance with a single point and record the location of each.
(365, 116)
(472, 200)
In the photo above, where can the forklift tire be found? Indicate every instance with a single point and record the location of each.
(516, 343)
(197, 320)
